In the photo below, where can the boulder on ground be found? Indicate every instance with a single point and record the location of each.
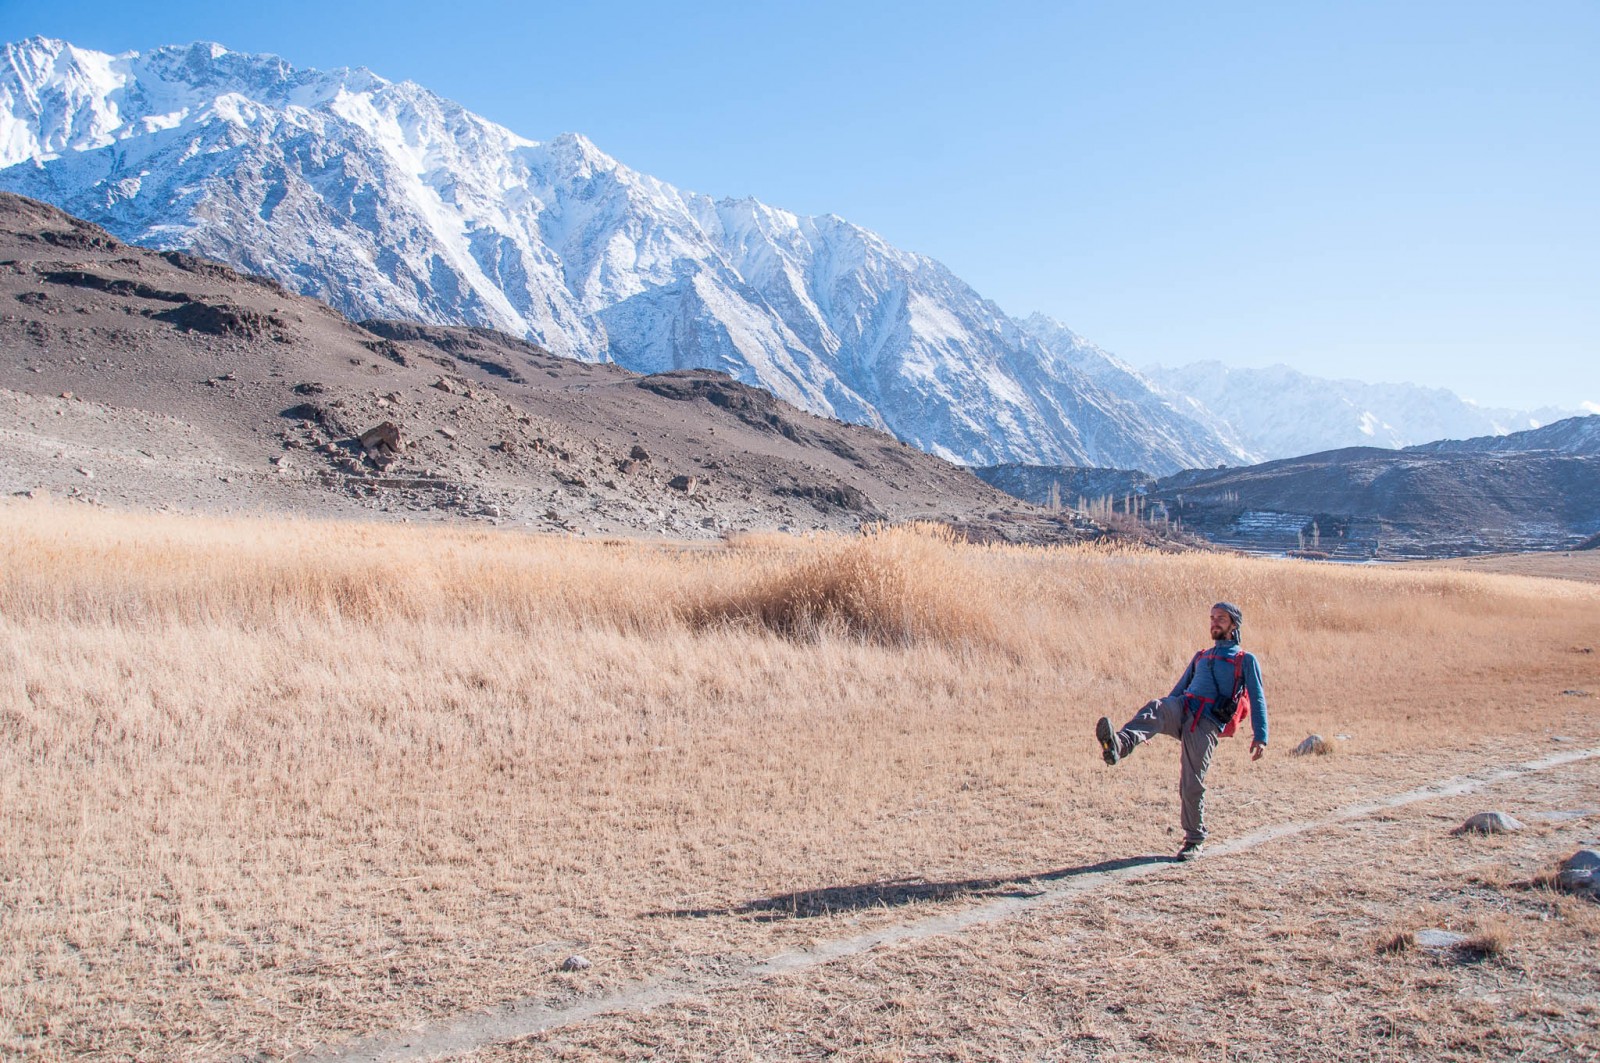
(382, 442)
(1580, 873)
(1313, 744)
(686, 484)
(1490, 823)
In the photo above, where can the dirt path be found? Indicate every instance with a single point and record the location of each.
(522, 1019)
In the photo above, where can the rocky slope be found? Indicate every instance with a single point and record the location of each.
(141, 379)
(1367, 502)
(1532, 490)
(387, 201)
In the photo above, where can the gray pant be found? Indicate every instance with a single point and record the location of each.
(1166, 716)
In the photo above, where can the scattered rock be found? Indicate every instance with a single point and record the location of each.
(444, 385)
(1438, 939)
(575, 963)
(638, 453)
(86, 472)
(222, 319)
(68, 395)
(310, 387)
(1580, 873)
(1490, 823)
(448, 433)
(382, 442)
(1575, 694)
(1313, 744)
(686, 484)
(830, 496)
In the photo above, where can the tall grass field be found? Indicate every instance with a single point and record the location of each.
(270, 783)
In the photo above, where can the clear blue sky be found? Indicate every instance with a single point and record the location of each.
(1400, 190)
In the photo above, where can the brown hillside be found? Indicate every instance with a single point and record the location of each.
(144, 379)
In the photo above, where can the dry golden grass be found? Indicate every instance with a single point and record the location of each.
(1240, 958)
(268, 783)
(1581, 565)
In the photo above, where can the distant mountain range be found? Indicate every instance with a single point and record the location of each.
(1532, 490)
(1278, 412)
(388, 201)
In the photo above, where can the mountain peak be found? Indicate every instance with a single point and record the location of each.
(392, 202)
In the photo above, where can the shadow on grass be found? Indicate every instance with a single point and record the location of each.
(895, 893)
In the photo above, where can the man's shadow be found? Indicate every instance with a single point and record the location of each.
(895, 893)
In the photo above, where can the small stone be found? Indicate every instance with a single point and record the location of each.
(1438, 939)
(1580, 873)
(1575, 694)
(1490, 823)
(448, 433)
(638, 453)
(1313, 744)
(68, 395)
(575, 963)
(86, 472)
(686, 484)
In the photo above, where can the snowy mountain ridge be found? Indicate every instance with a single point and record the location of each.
(386, 200)
(1279, 412)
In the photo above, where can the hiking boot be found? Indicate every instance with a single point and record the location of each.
(1110, 747)
(1191, 851)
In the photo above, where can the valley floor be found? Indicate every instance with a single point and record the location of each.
(274, 789)
(1581, 565)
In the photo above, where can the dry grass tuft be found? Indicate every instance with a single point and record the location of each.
(1492, 941)
(1394, 944)
(894, 586)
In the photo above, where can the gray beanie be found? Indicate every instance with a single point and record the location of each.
(1233, 611)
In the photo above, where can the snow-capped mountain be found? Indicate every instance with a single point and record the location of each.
(1279, 412)
(1170, 416)
(388, 201)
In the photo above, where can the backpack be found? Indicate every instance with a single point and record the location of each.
(1231, 711)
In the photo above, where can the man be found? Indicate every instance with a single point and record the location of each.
(1203, 707)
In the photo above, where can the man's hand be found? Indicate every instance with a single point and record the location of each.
(1257, 749)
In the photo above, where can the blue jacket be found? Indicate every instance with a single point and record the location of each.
(1214, 679)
